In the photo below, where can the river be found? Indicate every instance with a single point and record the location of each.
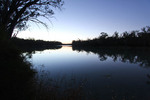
(103, 74)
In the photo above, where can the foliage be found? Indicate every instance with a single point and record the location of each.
(133, 38)
(103, 35)
(15, 74)
(16, 13)
(32, 45)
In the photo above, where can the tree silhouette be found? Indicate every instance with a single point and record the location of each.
(133, 39)
(116, 35)
(103, 35)
(14, 14)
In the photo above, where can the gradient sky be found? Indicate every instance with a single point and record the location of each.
(83, 19)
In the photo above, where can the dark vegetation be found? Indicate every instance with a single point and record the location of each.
(16, 74)
(32, 45)
(18, 81)
(17, 77)
(14, 14)
(132, 39)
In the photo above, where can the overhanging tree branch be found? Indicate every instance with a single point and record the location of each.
(16, 13)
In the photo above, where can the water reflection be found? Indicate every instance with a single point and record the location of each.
(139, 56)
(32, 50)
(17, 77)
(99, 73)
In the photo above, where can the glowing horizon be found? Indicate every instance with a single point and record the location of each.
(87, 18)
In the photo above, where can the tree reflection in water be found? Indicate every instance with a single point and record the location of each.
(132, 55)
(139, 56)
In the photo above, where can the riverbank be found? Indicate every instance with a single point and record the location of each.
(130, 39)
(32, 45)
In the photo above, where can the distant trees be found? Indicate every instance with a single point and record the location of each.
(32, 45)
(16, 14)
(133, 38)
(115, 35)
(103, 35)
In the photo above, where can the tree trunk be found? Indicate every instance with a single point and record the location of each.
(2, 33)
(5, 35)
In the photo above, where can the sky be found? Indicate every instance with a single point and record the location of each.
(86, 19)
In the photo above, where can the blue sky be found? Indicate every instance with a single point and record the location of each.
(83, 19)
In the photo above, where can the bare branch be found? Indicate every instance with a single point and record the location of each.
(16, 13)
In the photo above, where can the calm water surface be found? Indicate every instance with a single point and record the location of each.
(104, 74)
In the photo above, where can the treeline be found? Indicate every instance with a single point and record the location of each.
(30, 44)
(133, 38)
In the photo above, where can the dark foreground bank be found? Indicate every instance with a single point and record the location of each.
(16, 74)
(19, 80)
